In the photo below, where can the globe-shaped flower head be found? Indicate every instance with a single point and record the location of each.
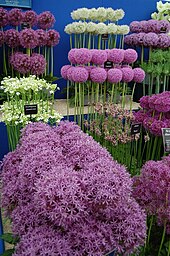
(30, 18)
(163, 41)
(114, 75)
(28, 38)
(163, 26)
(64, 71)
(82, 56)
(46, 20)
(130, 56)
(71, 55)
(98, 57)
(139, 75)
(1, 38)
(12, 38)
(98, 75)
(150, 39)
(116, 55)
(80, 75)
(53, 37)
(38, 64)
(41, 36)
(3, 17)
(20, 62)
(15, 17)
(127, 74)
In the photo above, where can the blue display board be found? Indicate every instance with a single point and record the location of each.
(2, 247)
(16, 3)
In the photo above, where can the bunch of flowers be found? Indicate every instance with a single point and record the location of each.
(147, 26)
(162, 11)
(66, 185)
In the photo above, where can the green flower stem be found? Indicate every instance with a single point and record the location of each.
(75, 103)
(162, 240)
(97, 92)
(71, 43)
(93, 41)
(142, 55)
(52, 61)
(89, 41)
(80, 41)
(99, 41)
(150, 53)
(28, 51)
(149, 232)
(115, 94)
(48, 60)
(80, 106)
(45, 56)
(122, 45)
(164, 83)
(112, 93)
(4, 61)
(169, 248)
(84, 39)
(154, 148)
(88, 99)
(133, 90)
(104, 93)
(68, 99)
(143, 87)
(123, 95)
(157, 84)
(120, 42)
(115, 42)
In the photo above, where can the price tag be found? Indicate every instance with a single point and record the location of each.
(108, 64)
(25, 25)
(31, 109)
(166, 139)
(135, 128)
(105, 37)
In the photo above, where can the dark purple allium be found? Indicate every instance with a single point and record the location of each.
(140, 116)
(163, 26)
(130, 56)
(30, 18)
(144, 102)
(82, 56)
(144, 26)
(150, 39)
(127, 74)
(80, 75)
(64, 71)
(135, 26)
(140, 37)
(3, 17)
(15, 17)
(12, 38)
(163, 41)
(152, 25)
(28, 38)
(114, 75)
(139, 75)
(38, 64)
(98, 57)
(41, 36)
(20, 62)
(53, 37)
(46, 20)
(98, 75)
(156, 127)
(130, 39)
(1, 38)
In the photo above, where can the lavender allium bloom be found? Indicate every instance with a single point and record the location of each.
(114, 75)
(70, 73)
(98, 56)
(127, 74)
(41, 36)
(38, 64)
(139, 38)
(53, 37)
(130, 56)
(64, 71)
(135, 26)
(15, 17)
(46, 20)
(71, 55)
(156, 127)
(3, 17)
(116, 55)
(64, 186)
(98, 75)
(1, 38)
(163, 26)
(139, 75)
(150, 39)
(82, 56)
(140, 116)
(30, 17)
(144, 26)
(144, 102)
(129, 39)
(12, 38)
(152, 26)
(80, 75)
(163, 41)
(20, 62)
(28, 38)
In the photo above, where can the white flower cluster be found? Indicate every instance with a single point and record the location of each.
(163, 11)
(96, 28)
(13, 114)
(100, 14)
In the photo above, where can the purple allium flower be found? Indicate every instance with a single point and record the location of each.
(156, 127)
(140, 37)
(147, 122)
(114, 75)
(15, 16)
(53, 37)
(70, 72)
(80, 75)
(98, 56)
(30, 18)
(98, 75)
(130, 56)
(130, 39)
(3, 17)
(38, 64)
(163, 41)
(71, 55)
(144, 102)
(64, 71)
(139, 75)
(12, 38)
(127, 74)
(28, 38)
(150, 39)
(116, 55)
(152, 25)
(163, 26)
(41, 36)
(21, 62)
(135, 26)
(1, 38)
(144, 26)
(140, 116)
(82, 56)
(46, 20)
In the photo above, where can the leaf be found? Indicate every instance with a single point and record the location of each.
(8, 252)
(10, 238)
(51, 78)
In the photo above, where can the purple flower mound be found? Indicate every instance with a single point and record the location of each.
(139, 40)
(28, 38)
(41, 36)
(21, 62)
(71, 55)
(140, 116)
(30, 18)
(163, 26)
(164, 41)
(98, 75)
(130, 56)
(82, 56)
(70, 72)
(80, 75)
(116, 55)
(144, 102)
(98, 57)
(46, 20)
(67, 194)
(152, 26)
(139, 75)
(152, 190)
(3, 17)
(150, 39)
(135, 26)
(114, 75)
(127, 74)
(12, 38)
(144, 26)
(15, 17)
(38, 64)
(1, 38)
(156, 127)
(64, 70)
(53, 37)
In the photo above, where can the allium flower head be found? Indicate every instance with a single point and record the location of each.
(98, 75)
(144, 102)
(71, 55)
(12, 38)
(64, 71)
(116, 55)
(163, 41)
(1, 38)
(135, 26)
(70, 72)
(150, 39)
(21, 62)
(41, 36)
(114, 75)
(3, 17)
(152, 26)
(130, 56)
(139, 75)
(53, 37)
(38, 64)
(15, 17)
(46, 20)
(82, 56)
(80, 75)
(98, 56)
(28, 38)
(30, 18)
(127, 74)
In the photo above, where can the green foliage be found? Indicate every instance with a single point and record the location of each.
(10, 238)
(8, 252)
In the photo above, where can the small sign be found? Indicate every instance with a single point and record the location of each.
(30, 109)
(105, 37)
(163, 30)
(16, 3)
(166, 139)
(25, 25)
(135, 128)
(108, 64)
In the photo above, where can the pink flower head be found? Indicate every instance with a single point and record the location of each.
(15, 17)
(135, 26)
(38, 64)
(114, 75)
(3, 17)
(71, 55)
(163, 26)
(1, 38)
(11, 37)
(30, 17)
(64, 70)
(144, 102)
(80, 75)
(99, 57)
(21, 62)
(28, 38)
(46, 20)
(98, 75)
(139, 75)
(70, 72)
(41, 36)
(127, 74)
(53, 37)
(163, 41)
(82, 56)
(116, 55)
(130, 56)
(150, 39)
